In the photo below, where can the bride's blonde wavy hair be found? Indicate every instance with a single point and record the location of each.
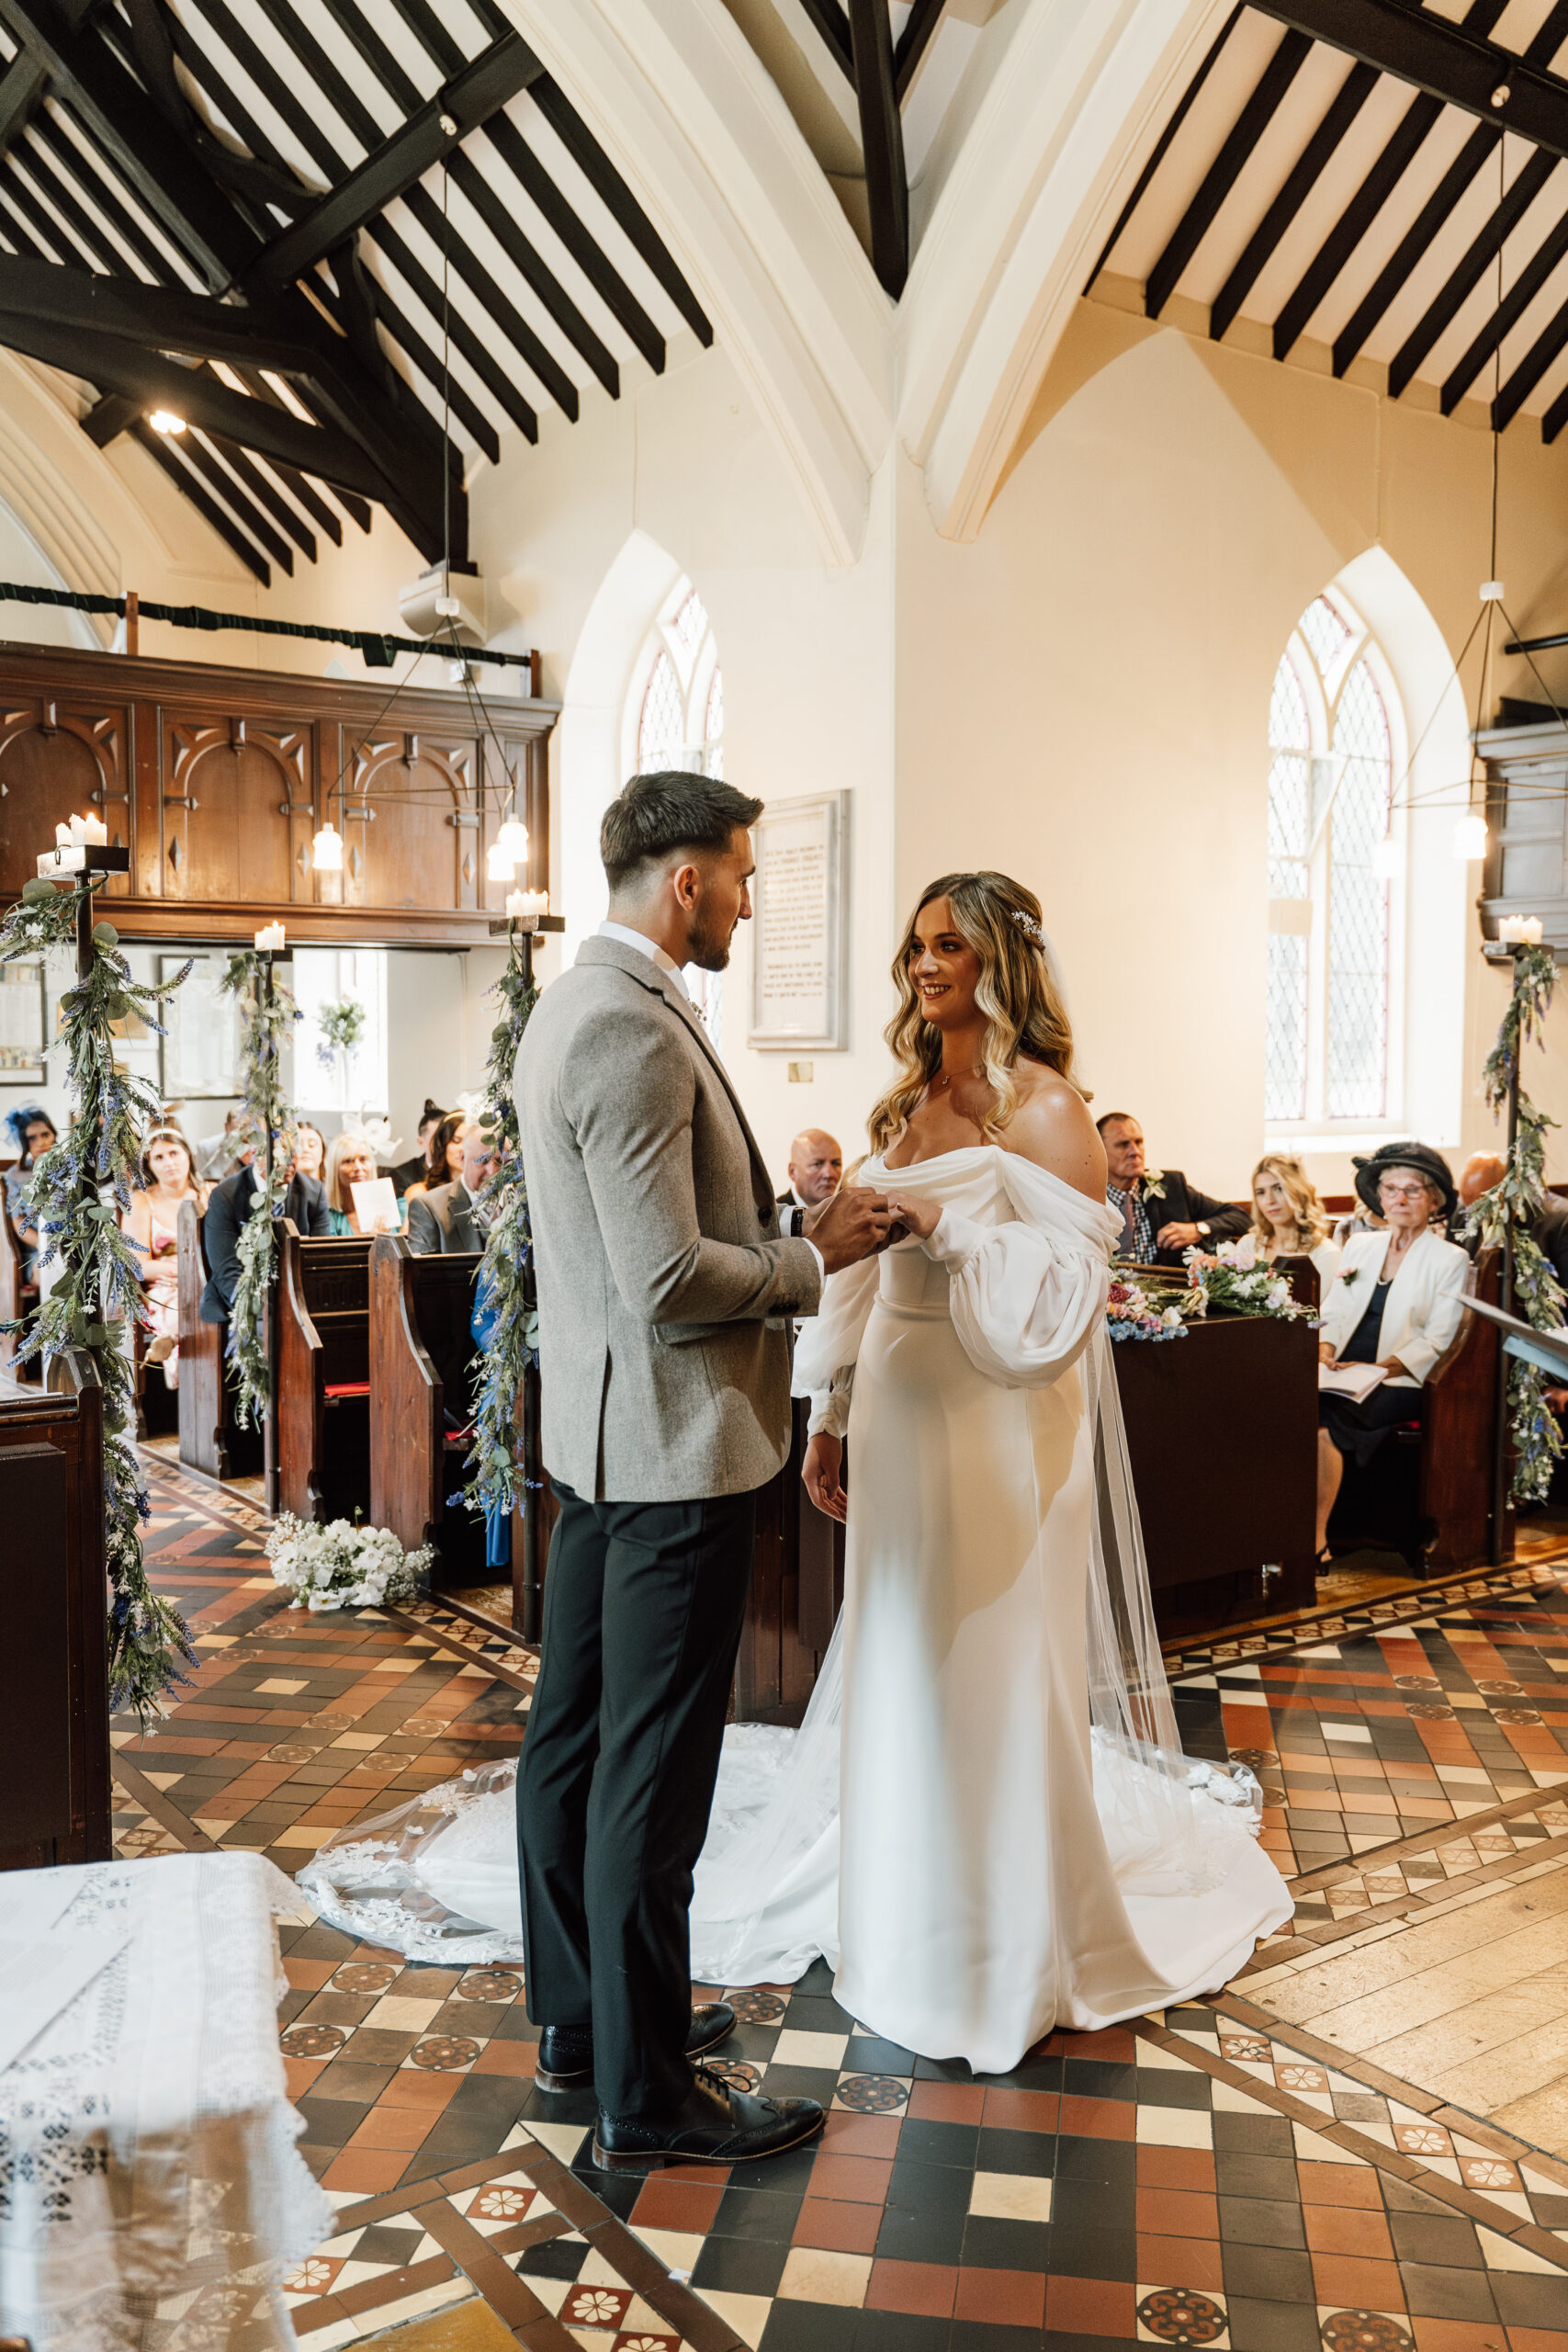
(1016, 991)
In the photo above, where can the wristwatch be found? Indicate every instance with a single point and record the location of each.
(1204, 1227)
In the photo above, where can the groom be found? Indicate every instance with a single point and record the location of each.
(664, 1290)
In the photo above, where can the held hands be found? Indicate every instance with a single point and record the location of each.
(919, 1217)
(854, 1225)
(819, 1475)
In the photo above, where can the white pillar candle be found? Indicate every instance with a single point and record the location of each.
(516, 904)
(95, 832)
(1519, 931)
(270, 935)
(62, 837)
(78, 831)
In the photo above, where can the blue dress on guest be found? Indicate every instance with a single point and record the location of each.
(338, 1224)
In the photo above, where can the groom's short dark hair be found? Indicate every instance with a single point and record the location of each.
(666, 810)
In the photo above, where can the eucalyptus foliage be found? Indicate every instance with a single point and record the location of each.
(266, 1017)
(505, 1287)
(1517, 1200)
(74, 1190)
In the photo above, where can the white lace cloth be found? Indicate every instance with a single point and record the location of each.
(151, 2198)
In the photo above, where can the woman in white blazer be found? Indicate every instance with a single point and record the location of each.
(1397, 1300)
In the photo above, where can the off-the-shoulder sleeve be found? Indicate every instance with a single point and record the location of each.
(1025, 1301)
(829, 1344)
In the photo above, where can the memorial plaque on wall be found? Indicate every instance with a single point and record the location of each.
(800, 902)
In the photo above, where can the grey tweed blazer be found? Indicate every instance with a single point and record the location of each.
(664, 1365)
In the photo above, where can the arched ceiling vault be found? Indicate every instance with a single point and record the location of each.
(274, 217)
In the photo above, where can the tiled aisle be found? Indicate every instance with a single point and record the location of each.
(1249, 2172)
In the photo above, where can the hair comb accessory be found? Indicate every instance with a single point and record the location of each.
(1030, 929)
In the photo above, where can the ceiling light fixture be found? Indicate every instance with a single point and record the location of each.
(500, 864)
(163, 420)
(1471, 837)
(326, 850)
(1386, 860)
(512, 839)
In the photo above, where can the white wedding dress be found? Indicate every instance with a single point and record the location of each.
(985, 1823)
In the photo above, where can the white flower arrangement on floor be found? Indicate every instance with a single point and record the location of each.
(341, 1565)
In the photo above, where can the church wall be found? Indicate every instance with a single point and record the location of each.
(1082, 693)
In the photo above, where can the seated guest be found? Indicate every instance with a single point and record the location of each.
(352, 1160)
(1288, 1219)
(216, 1155)
(815, 1172)
(167, 1176)
(33, 1132)
(443, 1154)
(414, 1170)
(1483, 1172)
(1161, 1214)
(228, 1206)
(1398, 1301)
(310, 1150)
(452, 1218)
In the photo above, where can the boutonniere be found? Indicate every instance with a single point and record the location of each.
(1351, 1275)
(1154, 1183)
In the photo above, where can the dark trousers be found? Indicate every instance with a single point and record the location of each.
(644, 1605)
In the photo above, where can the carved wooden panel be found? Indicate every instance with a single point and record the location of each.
(228, 786)
(217, 779)
(410, 818)
(59, 758)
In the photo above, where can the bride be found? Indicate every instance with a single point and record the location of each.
(986, 1822)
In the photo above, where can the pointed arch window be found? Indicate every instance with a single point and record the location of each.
(675, 719)
(1335, 730)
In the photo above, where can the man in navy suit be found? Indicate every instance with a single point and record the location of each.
(1161, 1213)
(228, 1206)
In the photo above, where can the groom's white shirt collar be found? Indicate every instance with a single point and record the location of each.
(649, 947)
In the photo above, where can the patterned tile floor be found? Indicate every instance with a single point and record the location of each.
(1223, 2175)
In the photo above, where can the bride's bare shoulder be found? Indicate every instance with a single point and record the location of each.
(1052, 1127)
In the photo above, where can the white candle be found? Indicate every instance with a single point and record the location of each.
(1519, 931)
(78, 831)
(516, 903)
(527, 906)
(270, 936)
(62, 837)
(95, 832)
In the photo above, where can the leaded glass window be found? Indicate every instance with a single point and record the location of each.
(1331, 739)
(678, 705)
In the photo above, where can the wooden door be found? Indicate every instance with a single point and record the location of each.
(230, 789)
(411, 817)
(59, 758)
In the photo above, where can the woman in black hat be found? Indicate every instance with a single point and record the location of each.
(1397, 1303)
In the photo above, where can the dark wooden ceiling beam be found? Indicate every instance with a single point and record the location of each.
(531, 267)
(913, 42)
(21, 89)
(1413, 246)
(882, 143)
(1349, 99)
(1448, 61)
(1505, 316)
(1441, 312)
(829, 21)
(1289, 54)
(606, 280)
(497, 378)
(112, 105)
(265, 493)
(618, 200)
(1354, 223)
(246, 513)
(185, 481)
(159, 317)
(426, 139)
(1162, 145)
(1548, 348)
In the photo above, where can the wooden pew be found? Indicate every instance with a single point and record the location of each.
(17, 1298)
(323, 1374)
(54, 1730)
(421, 1404)
(798, 1589)
(211, 1441)
(1206, 1416)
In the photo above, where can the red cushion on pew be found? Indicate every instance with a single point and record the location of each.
(346, 1388)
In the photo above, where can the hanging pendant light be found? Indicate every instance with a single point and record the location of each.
(1471, 837)
(326, 850)
(512, 840)
(500, 864)
(1387, 860)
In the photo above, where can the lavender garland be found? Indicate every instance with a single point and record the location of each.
(265, 1022)
(74, 1190)
(505, 1276)
(1515, 1199)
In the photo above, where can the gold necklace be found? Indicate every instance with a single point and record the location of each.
(946, 1077)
